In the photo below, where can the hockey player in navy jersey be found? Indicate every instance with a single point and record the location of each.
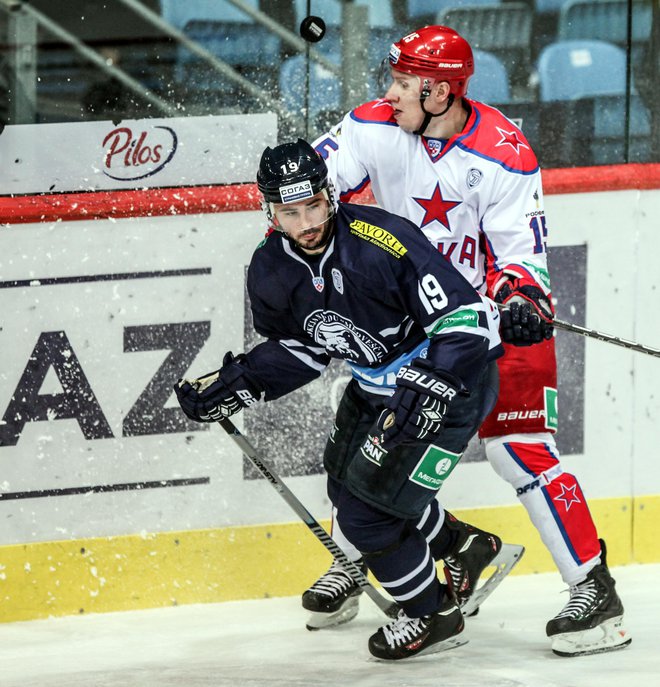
(467, 176)
(335, 280)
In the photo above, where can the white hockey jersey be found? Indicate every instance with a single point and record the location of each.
(477, 196)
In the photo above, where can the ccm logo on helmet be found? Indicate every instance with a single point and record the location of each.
(425, 382)
(293, 192)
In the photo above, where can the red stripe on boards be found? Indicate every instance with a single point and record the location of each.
(245, 197)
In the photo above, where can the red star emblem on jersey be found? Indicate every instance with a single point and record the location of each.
(568, 496)
(436, 208)
(510, 138)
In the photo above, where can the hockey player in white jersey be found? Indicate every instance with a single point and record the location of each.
(469, 179)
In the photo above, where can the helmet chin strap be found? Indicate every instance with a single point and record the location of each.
(269, 209)
(429, 115)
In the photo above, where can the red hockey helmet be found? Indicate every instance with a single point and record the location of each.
(435, 52)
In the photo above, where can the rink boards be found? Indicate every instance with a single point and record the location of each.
(110, 499)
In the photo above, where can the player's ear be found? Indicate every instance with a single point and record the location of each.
(441, 90)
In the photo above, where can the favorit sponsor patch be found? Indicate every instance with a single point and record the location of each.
(379, 237)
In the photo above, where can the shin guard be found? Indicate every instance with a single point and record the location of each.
(553, 499)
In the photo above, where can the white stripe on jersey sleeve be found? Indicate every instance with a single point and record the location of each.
(303, 356)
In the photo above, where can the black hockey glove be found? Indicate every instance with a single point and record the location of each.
(416, 411)
(219, 394)
(527, 317)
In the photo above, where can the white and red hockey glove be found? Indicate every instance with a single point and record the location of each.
(528, 315)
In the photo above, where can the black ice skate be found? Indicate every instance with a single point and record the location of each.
(333, 598)
(474, 551)
(592, 620)
(406, 637)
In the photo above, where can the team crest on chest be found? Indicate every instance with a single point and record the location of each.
(337, 280)
(319, 283)
(436, 208)
(338, 333)
(474, 177)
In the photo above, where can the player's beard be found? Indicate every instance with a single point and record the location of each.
(321, 238)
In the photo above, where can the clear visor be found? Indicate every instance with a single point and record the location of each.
(277, 217)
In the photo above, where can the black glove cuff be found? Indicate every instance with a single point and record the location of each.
(235, 369)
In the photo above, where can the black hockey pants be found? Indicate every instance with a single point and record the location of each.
(378, 497)
(403, 480)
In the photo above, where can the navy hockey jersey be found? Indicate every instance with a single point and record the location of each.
(379, 296)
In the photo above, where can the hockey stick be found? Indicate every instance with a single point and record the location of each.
(601, 336)
(592, 333)
(388, 607)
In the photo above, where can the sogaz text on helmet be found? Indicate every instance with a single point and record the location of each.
(291, 172)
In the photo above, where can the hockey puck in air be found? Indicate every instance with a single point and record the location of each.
(312, 29)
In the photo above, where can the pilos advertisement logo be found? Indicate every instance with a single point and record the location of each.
(131, 154)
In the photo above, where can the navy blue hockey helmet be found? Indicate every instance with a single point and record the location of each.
(292, 172)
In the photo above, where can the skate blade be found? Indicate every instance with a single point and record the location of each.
(451, 643)
(503, 562)
(608, 636)
(446, 645)
(319, 621)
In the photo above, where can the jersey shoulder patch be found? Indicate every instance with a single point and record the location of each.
(494, 137)
(375, 112)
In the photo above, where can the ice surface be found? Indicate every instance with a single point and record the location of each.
(256, 643)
